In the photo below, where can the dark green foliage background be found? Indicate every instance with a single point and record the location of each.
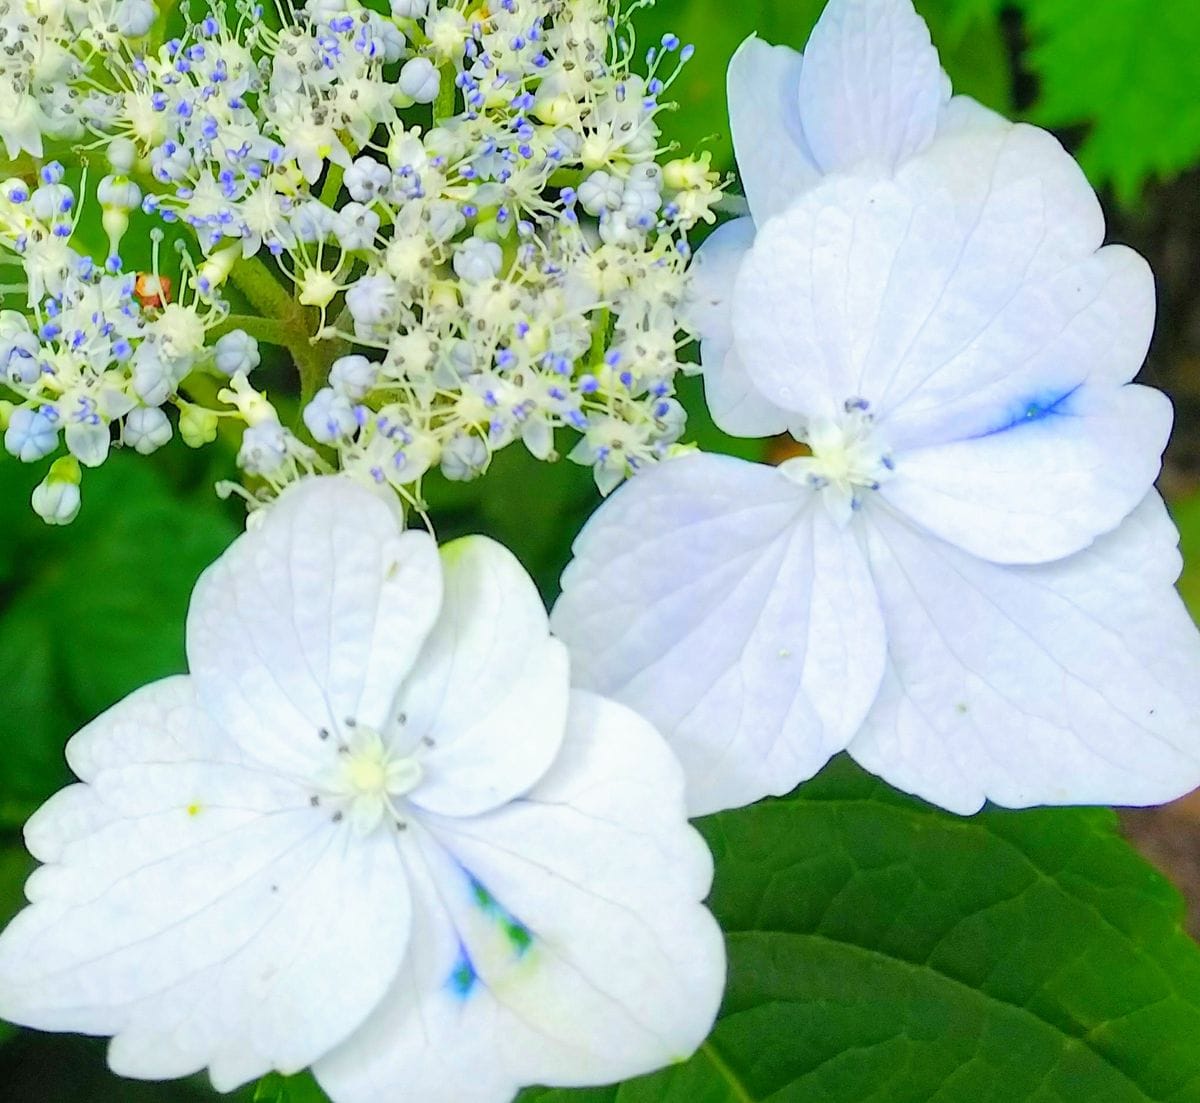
(880, 950)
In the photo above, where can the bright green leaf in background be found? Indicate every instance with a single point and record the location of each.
(1127, 70)
(883, 951)
(92, 611)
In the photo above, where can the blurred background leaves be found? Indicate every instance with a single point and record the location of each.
(91, 612)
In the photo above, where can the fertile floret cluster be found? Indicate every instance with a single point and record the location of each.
(456, 217)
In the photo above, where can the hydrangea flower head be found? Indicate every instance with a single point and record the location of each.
(967, 580)
(373, 831)
(474, 197)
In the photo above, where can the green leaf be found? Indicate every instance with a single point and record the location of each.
(1186, 515)
(289, 1089)
(1127, 69)
(968, 38)
(92, 610)
(882, 951)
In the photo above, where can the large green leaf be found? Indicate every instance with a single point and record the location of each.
(91, 611)
(1129, 71)
(884, 951)
(289, 1089)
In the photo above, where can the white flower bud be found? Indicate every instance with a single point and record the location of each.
(31, 434)
(56, 502)
(445, 219)
(118, 193)
(264, 448)
(476, 260)
(356, 227)
(372, 301)
(420, 80)
(236, 352)
(122, 155)
(353, 376)
(464, 458)
(52, 201)
(366, 179)
(329, 416)
(153, 381)
(134, 18)
(601, 192)
(409, 9)
(147, 429)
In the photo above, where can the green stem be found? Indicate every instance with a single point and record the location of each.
(266, 330)
(444, 106)
(269, 297)
(600, 337)
(333, 184)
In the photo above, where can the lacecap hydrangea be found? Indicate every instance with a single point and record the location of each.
(459, 220)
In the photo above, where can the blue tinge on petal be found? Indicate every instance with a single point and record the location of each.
(1033, 409)
(463, 976)
(519, 936)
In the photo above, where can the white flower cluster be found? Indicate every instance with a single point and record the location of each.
(453, 215)
(95, 352)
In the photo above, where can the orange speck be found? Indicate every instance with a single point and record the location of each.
(151, 290)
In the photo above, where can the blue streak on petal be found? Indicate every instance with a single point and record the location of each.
(519, 936)
(463, 977)
(1033, 409)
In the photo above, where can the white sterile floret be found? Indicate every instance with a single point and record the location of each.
(373, 831)
(967, 581)
(420, 80)
(236, 351)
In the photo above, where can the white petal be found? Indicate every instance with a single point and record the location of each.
(944, 317)
(205, 914)
(871, 86)
(718, 599)
(710, 293)
(157, 723)
(558, 940)
(487, 698)
(773, 157)
(736, 405)
(1045, 483)
(1066, 683)
(310, 619)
